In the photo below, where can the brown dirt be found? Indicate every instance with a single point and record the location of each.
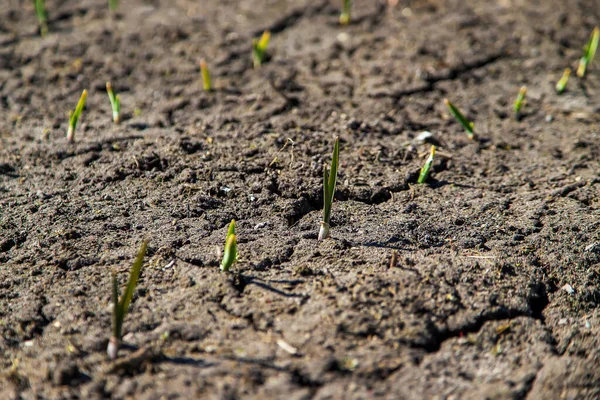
(476, 306)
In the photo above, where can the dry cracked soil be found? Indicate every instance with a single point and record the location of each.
(482, 283)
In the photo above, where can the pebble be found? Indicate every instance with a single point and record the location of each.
(568, 288)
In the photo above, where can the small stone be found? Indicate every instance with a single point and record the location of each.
(568, 288)
(424, 137)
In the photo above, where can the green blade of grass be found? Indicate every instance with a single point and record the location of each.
(259, 48)
(329, 183)
(231, 229)
(113, 4)
(561, 85)
(519, 101)
(230, 254)
(335, 158)
(120, 307)
(40, 11)
(468, 125)
(263, 43)
(74, 116)
(589, 52)
(326, 196)
(115, 103)
(345, 15)
(206, 81)
(134, 275)
(424, 174)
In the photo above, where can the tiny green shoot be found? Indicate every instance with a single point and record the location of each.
(259, 48)
(561, 85)
(121, 306)
(519, 101)
(427, 167)
(115, 103)
(589, 51)
(468, 125)
(345, 15)
(230, 255)
(40, 11)
(329, 181)
(206, 81)
(74, 116)
(113, 4)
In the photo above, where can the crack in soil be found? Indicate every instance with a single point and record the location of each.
(290, 19)
(448, 75)
(537, 303)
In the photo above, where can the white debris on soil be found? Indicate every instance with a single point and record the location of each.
(568, 288)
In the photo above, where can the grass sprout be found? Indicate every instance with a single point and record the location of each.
(259, 48)
(589, 51)
(345, 15)
(230, 255)
(424, 174)
(206, 81)
(121, 306)
(468, 125)
(40, 12)
(113, 4)
(561, 85)
(519, 101)
(74, 116)
(115, 103)
(329, 181)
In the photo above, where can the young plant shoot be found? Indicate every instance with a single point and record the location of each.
(40, 11)
(206, 81)
(329, 181)
(115, 103)
(230, 255)
(121, 306)
(259, 48)
(589, 51)
(427, 167)
(468, 125)
(113, 4)
(561, 85)
(345, 15)
(74, 116)
(519, 102)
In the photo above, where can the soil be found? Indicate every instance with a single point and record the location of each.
(483, 283)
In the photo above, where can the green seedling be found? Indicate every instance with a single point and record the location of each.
(206, 81)
(121, 306)
(589, 51)
(427, 167)
(113, 4)
(468, 125)
(345, 15)
(40, 11)
(329, 181)
(74, 116)
(230, 255)
(561, 85)
(259, 48)
(519, 101)
(115, 103)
